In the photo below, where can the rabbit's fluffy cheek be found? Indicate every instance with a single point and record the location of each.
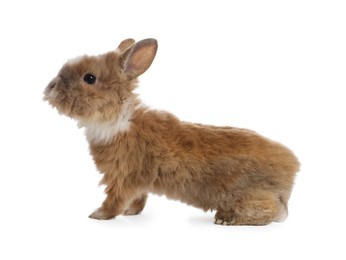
(82, 103)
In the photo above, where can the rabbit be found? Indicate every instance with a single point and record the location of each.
(245, 177)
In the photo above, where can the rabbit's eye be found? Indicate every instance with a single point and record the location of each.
(89, 78)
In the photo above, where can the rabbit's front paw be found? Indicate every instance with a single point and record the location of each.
(225, 218)
(223, 222)
(101, 214)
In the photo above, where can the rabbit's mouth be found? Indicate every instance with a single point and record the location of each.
(58, 99)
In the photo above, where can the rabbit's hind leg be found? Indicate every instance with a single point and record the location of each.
(252, 207)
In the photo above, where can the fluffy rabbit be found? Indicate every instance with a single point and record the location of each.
(244, 176)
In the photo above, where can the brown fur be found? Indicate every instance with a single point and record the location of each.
(245, 177)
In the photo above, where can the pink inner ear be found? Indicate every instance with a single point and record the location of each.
(143, 54)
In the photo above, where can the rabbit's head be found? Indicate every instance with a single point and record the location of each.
(94, 88)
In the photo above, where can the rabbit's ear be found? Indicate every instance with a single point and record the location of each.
(138, 58)
(125, 44)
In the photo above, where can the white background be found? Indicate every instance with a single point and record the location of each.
(277, 67)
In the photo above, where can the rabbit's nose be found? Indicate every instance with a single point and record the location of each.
(51, 85)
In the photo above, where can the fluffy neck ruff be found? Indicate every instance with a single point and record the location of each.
(104, 132)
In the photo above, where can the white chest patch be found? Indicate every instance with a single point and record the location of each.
(103, 132)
